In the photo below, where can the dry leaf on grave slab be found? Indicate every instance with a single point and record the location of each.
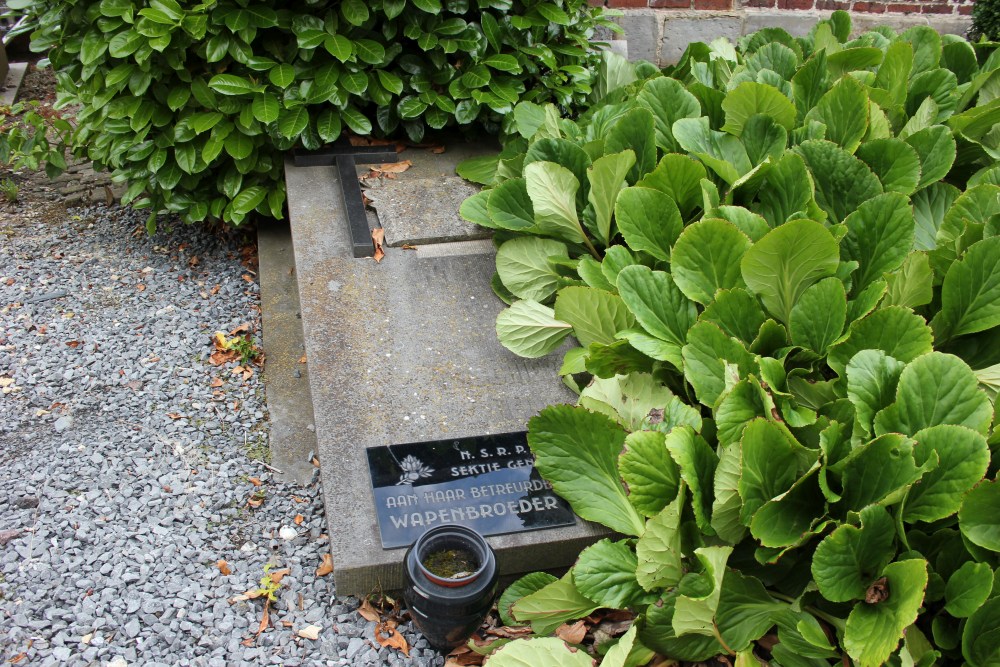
(224, 568)
(386, 635)
(378, 239)
(326, 567)
(309, 632)
(368, 612)
(572, 633)
(394, 167)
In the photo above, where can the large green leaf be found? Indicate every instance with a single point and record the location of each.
(968, 588)
(842, 181)
(530, 329)
(963, 457)
(880, 471)
(912, 285)
(970, 295)
(668, 101)
(706, 258)
(605, 573)
(711, 358)
(898, 332)
(872, 376)
(650, 475)
(783, 264)
(695, 614)
(895, 162)
(659, 552)
(844, 111)
(751, 98)
(819, 316)
(771, 461)
(628, 399)
(634, 131)
(791, 519)
(930, 206)
(873, 630)
(657, 303)
(524, 586)
(936, 389)
(697, 461)
(850, 559)
(935, 146)
(607, 176)
(648, 220)
(596, 315)
(552, 190)
(550, 606)
(978, 517)
(746, 611)
(980, 637)
(678, 177)
(658, 634)
(726, 505)
(788, 189)
(509, 206)
(524, 267)
(722, 153)
(577, 452)
(880, 235)
(532, 651)
(737, 313)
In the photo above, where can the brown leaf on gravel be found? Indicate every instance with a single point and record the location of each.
(298, 519)
(217, 382)
(215, 290)
(140, 287)
(368, 612)
(278, 575)
(300, 500)
(224, 568)
(241, 329)
(73, 343)
(256, 500)
(302, 359)
(220, 357)
(309, 632)
(463, 656)
(255, 481)
(386, 635)
(265, 618)
(378, 238)
(572, 633)
(175, 415)
(18, 658)
(326, 567)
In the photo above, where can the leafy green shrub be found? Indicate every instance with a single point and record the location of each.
(33, 135)
(194, 105)
(985, 20)
(781, 262)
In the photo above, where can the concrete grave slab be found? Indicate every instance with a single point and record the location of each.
(12, 83)
(416, 211)
(405, 351)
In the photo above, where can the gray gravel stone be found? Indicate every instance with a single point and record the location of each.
(126, 473)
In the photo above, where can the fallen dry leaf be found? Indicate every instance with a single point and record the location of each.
(326, 567)
(224, 568)
(217, 382)
(368, 612)
(394, 167)
(302, 359)
(73, 343)
(174, 415)
(241, 329)
(255, 481)
(249, 595)
(437, 150)
(572, 633)
(265, 618)
(309, 632)
(300, 500)
(509, 632)
(463, 656)
(247, 277)
(386, 635)
(194, 261)
(249, 641)
(141, 287)
(218, 358)
(278, 575)
(299, 519)
(18, 658)
(407, 246)
(215, 290)
(378, 238)
(256, 500)
(87, 638)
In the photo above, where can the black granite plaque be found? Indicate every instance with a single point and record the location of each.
(488, 483)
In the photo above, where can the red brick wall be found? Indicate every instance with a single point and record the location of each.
(957, 7)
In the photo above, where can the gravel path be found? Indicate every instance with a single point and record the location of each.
(127, 459)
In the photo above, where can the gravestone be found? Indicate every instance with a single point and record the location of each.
(405, 351)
